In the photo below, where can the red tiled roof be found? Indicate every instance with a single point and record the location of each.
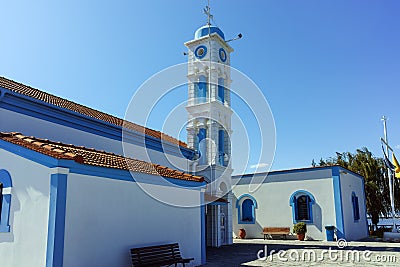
(94, 157)
(64, 103)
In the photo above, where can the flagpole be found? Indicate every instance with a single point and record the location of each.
(384, 119)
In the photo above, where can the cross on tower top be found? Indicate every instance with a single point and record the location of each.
(207, 11)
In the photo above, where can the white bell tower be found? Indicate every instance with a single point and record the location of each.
(209, 124)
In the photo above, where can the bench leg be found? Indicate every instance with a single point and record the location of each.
(284, 237)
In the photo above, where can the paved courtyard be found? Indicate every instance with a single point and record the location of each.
(306, 253)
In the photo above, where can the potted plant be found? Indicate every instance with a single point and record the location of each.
(300, 229)
(242, 233)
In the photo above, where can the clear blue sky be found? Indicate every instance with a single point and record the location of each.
(329, 69)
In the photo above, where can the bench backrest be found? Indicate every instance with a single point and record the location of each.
(276, 229)
(155, 254)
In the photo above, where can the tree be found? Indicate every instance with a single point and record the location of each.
(313, 163)
(376, 182)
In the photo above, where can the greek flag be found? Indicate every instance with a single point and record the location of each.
(387, 162)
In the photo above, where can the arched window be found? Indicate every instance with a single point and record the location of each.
(221, 90)
(246, 206)
(302, 202)
(247, 210)
(201, 90)
(356, 207)
(5, 200)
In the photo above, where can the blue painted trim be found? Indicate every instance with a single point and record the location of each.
(2, 92)
(5, 179)
(56, 227)
(5, 213)
(197, 50)
(29, 154)
(124, 175)
(292, 203)
(203, 229)
(78, 168)
(208, 30)
(239, 203)
(201, 90)
(221, 147)
(251, 175)
(223, 59)
(356, 207)
(221, 90)
(365, 208)
(337, 194)
(186, 183)
(39, 109)
(301, 192)
(202, 146)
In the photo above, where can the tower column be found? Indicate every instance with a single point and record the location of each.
(209, 130)
(212, 151)
(229, 230)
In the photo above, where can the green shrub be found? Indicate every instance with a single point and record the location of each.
(300, 228)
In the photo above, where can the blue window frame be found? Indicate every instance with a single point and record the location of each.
(5, 200)
(221, 145)
(200, 51)
(221, 90)
(302, 203)
(356, 207)
(246, 206)
(201, 90)
(1, 198)
(201, 146)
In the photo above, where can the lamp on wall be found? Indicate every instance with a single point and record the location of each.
(239, 36)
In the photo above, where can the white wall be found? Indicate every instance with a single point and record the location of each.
(16, 122)
(354, 230)
(25, 244)
(273, 202)
(106, 217)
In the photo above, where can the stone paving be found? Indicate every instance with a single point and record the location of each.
(306, 253)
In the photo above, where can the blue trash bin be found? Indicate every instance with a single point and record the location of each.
(330, 232)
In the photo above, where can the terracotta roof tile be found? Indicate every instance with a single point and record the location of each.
(64, 103)
(94, 157)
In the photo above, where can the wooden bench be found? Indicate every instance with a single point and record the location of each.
(162, 255)
(268, 231)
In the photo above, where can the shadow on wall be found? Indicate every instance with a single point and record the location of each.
(8, 237)
(24, 196)
(317, 220)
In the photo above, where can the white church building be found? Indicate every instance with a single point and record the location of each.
(69, 197)
(319, 196)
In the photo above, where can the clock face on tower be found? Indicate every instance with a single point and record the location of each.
(200, 51)
(222, 54)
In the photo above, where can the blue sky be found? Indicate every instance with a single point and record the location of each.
(329, 69)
